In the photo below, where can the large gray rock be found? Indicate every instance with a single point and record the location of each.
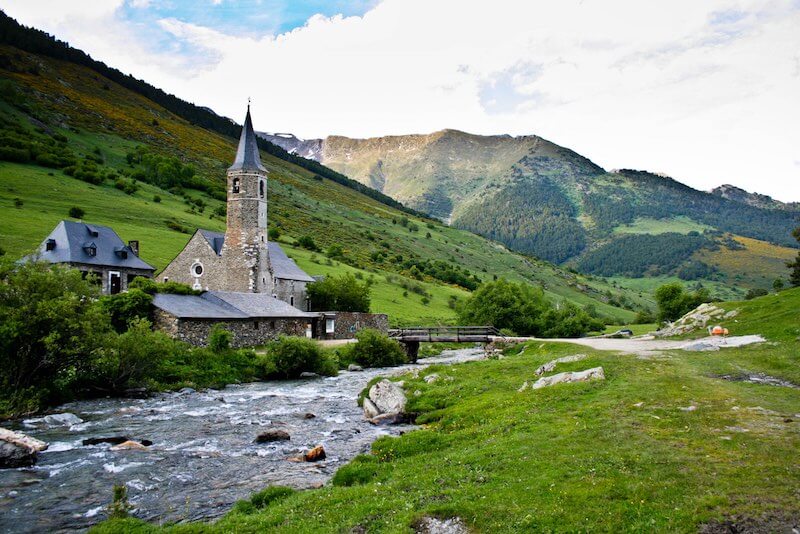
(386, 403)
(17, 449)
(62, 419)
(388, 397)
(551, 365)
(268, 436)
(595, 373)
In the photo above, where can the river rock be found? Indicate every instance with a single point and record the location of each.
(595, 373)
(186, 391)
(551, 365)
(62, 419)
(370, 410)
(700, 346)
(308, 415)
(315, 455)
(268, 436)
(353, 368)
(431, 378)
(113, 440)
(17, 449)
(306, 374)
(129, 445)
(388, 397)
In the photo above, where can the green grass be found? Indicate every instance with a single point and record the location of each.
(637, 329)
(574, 457)
(679, 225)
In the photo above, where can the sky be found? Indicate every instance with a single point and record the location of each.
(705, 91)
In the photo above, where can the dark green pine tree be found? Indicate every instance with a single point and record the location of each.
(794, 275)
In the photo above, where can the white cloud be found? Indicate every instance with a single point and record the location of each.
(704, 91)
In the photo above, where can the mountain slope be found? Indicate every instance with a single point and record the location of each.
(540, 198)
(93, 144)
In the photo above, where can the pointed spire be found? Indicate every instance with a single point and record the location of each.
(247, 157)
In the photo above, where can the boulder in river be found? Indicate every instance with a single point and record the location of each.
(114, 440)
(129, 445)
(62, 419)
(315, 455)
(268, 436)
(595, 373)
(386, 403)
(354, 368)
(17, 449)
(307, 374)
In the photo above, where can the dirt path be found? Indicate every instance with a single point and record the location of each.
(650, 346)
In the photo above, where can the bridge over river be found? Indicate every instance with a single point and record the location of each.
(412, 336)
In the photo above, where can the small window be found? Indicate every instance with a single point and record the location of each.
(261, 188)
(330, 326)
(197, 269)
(272, 325)
(91, 250)
(255, 325)
(291, 300)
(166, 279)
(50, 245)
(235, 188)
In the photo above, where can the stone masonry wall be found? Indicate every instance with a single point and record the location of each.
(347, 324)
(286, 289)
(196, 250)
(246, 332)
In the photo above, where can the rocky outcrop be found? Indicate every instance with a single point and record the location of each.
(595, 373)
(17, 449)
(385, 403)
(696, 319)
(268, 436)
(551, 365)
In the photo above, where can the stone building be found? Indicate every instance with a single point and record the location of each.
(94, 249)
(252, 318)
(241, 259)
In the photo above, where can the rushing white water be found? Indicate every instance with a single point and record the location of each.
(203, 456)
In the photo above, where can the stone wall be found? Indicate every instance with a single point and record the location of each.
(347, 324)
(286, 289)
(104, 274)
(197, 250)
(246, 332)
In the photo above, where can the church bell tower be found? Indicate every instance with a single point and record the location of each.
(245, 249)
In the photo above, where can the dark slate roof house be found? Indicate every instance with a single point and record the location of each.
(94, 249)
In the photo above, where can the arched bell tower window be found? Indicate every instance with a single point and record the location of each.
(235, 185)
(261, 188)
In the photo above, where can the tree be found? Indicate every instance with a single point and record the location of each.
(50, 326)
(76, 212)
(374, 349)
(674, 301)
(339, 293)
(307, 242)
(794, 274)
(123, 308)
(504, 304)
(778, 285)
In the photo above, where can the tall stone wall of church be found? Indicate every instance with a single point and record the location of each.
(293, 292)
(196, 251)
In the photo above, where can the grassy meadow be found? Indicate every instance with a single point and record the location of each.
(663, 444)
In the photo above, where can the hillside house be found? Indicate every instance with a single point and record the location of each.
(94, 249)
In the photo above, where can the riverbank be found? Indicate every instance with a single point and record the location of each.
(203, 457)
(670, 443)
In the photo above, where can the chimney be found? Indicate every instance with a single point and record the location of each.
(134, 246)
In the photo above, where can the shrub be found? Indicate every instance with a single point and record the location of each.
(123, 308)
(219, 339)
(151, 287)
(76, 212)
(339, 293)
(335, 252)
(307, 243)
(119, 507)
(156, 199)
(374, 349)
(274, 234)
(754, 293)
(289, 356)
(674, 301)
(18, 203)
(19, 155)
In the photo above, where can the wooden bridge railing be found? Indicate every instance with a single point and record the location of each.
(444, 334)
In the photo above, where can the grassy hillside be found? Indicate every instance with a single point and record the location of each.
(61, 107)
(675, 443)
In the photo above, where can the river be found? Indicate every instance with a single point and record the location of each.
(203, 457)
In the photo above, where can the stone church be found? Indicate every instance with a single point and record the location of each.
(242, 259)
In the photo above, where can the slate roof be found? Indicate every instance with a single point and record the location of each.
(228, 305)
(247, 157)
(283, 266)
(72, 239)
